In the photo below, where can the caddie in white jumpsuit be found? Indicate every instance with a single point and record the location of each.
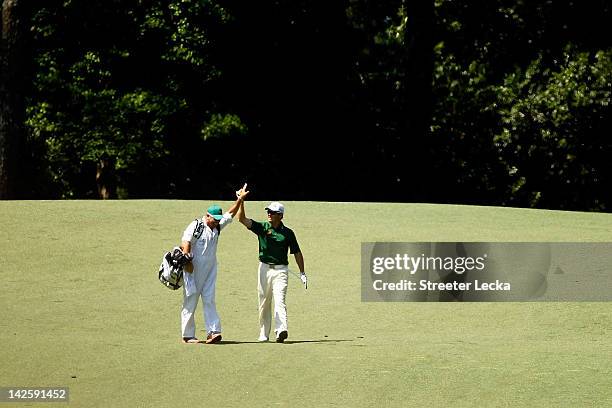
(200, 239)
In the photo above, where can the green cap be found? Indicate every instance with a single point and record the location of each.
(215, 211)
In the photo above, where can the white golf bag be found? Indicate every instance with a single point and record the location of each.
(172, 267)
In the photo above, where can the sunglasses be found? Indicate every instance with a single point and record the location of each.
(273, 212)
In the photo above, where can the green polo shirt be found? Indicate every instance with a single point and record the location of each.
(274, 242)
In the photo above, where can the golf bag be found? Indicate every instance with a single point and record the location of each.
(172, 268)
(173, 263)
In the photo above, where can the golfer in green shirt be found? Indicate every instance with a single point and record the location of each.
(275, 240)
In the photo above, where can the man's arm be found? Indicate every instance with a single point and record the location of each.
(299, 260)
(186, 248)
(247, 222)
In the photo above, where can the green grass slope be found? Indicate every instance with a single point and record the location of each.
(81, 307)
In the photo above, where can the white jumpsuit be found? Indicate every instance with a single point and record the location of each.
(204, 251)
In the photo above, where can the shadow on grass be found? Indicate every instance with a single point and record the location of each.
(315, 341)
(222, 342)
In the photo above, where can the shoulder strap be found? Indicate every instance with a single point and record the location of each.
(199, 228)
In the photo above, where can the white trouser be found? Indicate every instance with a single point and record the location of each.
(272, 284)
(205, 274)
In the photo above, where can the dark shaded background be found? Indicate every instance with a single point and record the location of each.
(352, 100)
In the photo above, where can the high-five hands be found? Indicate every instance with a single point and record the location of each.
(242, 193)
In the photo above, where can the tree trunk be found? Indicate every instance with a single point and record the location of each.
(105, 178)
(13, 54)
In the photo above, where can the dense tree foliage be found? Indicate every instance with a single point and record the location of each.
(119, 85)
(503, 102)
(527, 86)
(14, 66)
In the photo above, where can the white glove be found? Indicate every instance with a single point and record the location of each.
(304, 279)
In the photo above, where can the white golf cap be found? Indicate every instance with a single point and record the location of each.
(276, 207)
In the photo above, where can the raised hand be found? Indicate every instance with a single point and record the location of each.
(242, 193)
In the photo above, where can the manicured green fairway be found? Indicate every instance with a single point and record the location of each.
(81, 307)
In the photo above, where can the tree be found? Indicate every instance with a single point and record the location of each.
(554, 141)
(13, 66)
(390, 97)
(121, 92)
(437, 100)
(522, 103)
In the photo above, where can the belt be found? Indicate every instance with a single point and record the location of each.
(275, 266)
